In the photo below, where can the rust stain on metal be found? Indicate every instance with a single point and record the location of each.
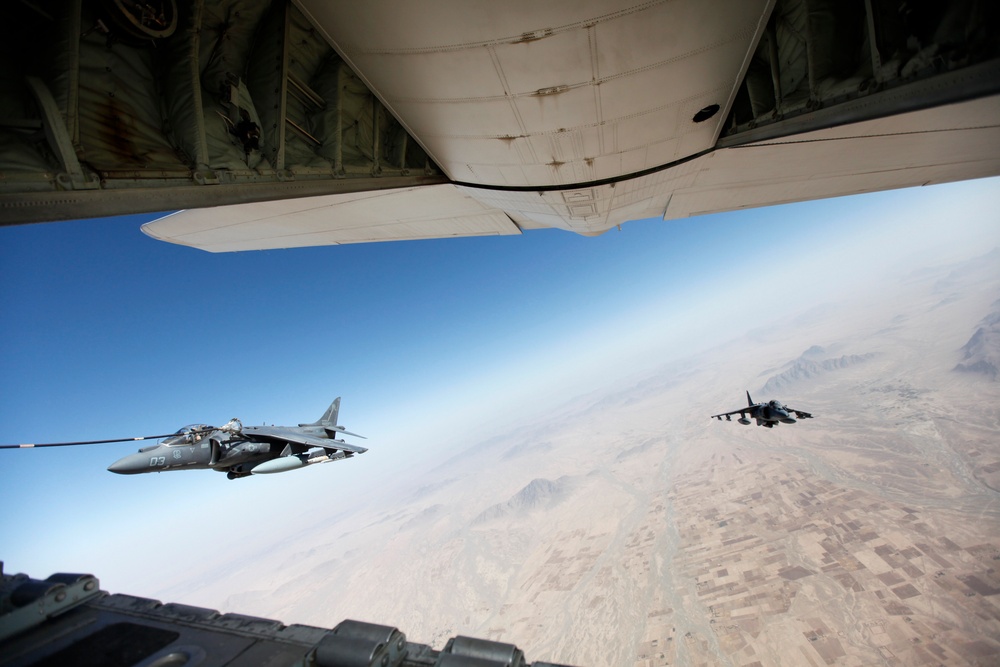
(533, 36)
(552, 90)
(116, 133)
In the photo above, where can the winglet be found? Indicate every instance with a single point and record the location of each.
(749, 400)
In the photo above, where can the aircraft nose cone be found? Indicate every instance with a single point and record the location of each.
(785, 418)
(129, 465)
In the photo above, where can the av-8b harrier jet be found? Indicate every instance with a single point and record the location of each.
(237, 450)
(767, 414)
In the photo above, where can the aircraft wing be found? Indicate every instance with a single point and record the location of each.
(384, 120)
(428, 212)
(734, 412)
(799, 413)
(280, 434)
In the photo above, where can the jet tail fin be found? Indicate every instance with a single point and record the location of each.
(329, 422)
(749, 400)
(329, 417)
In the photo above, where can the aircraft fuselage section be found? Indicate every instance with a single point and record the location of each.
(216, 451)
(775, 413)
(162, 457)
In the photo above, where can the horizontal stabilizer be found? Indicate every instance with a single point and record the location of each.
(340, 430)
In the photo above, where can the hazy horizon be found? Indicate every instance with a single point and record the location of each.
(438, 348)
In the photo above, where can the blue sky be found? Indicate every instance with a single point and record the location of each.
(108, 333)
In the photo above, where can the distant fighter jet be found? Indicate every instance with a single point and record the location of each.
(767, 414)
(235, 449)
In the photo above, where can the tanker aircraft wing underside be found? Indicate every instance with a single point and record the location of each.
(286, 123)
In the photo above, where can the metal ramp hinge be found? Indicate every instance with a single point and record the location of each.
(358, 644)
(30, 602)
(471, 652)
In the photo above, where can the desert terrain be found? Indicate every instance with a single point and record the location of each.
(627, 528)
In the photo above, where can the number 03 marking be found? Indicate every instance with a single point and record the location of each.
(157, 461)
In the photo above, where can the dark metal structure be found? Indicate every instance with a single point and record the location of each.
(121, 107)
(67, 619)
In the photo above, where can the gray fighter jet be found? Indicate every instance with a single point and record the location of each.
(235, 449)
(767, 414)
